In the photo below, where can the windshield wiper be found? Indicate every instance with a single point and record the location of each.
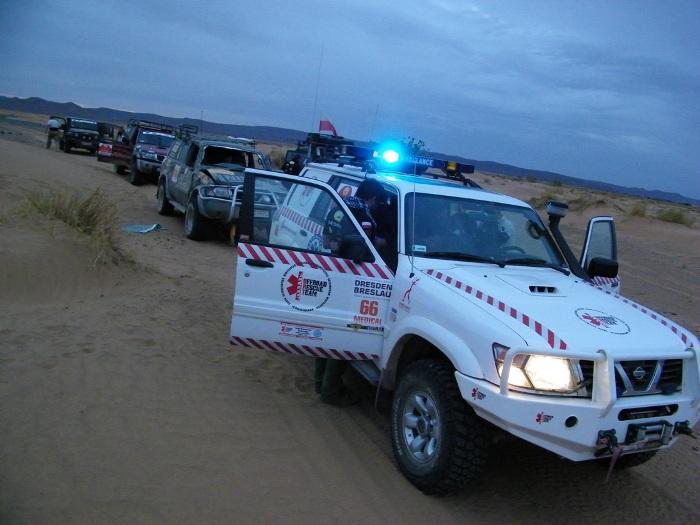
(464, 257)
(534, 261)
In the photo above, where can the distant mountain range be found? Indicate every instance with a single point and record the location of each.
(291, 136)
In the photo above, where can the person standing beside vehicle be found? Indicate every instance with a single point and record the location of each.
(328, 373)
(52, 127)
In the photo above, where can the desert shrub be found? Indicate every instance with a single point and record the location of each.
(584, 202)
(675, 215)
(531, 178)
(556, 183)
(541, 200)
(639, 209)
(93, 215)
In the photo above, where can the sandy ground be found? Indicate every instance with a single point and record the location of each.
(121, 400)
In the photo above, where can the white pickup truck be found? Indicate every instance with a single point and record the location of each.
(474, 313)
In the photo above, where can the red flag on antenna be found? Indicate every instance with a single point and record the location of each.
(325, 126)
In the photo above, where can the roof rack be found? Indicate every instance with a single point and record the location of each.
(147, 124)
(186, 130)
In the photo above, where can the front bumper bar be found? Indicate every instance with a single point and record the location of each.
(570, 426)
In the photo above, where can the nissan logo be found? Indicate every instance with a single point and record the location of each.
(639, 373)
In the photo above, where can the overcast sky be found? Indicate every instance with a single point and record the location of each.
(607, 90)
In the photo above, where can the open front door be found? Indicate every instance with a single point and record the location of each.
(601, 242)
(308, 281)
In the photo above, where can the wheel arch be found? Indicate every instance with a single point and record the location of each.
(428, 342)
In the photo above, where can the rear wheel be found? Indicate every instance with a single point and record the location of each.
(438, 441)
(66, 146)
(196, 226)
(121, 170)
(135, 176)
(164, 206)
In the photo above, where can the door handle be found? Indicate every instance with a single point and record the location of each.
(259, 263)
(303, 233)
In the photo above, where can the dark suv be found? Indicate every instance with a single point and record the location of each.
(140, 149)
(201, 178)
(79, 133)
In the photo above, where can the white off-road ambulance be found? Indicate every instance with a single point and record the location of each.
(474, 313)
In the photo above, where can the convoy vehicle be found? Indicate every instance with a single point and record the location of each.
(475, 315)
(202, 178)
(140, 149)
(316, 148)
(78, 133)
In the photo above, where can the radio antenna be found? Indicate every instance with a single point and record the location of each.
(318, 81)
(413, 222)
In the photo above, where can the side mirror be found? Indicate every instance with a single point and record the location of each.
(353, 247)
(602, 267)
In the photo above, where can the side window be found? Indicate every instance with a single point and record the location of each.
(346, 187)
(182, 154)
(174, 149)
(308, 218)
(192, 155)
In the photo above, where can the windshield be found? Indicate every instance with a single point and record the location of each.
(83, 124)
(231, 158)
(155, 139)
(467, 229)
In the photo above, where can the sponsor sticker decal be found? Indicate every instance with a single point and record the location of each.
(406, 297)
(477, 394)
(301, 331)
(541, 417)
(368, 314)
(371, 288)
(315, 244)
(366, 328)
(602, 321)
(305, 288)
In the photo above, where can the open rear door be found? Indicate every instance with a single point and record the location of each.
(601, 241)
(301, 286)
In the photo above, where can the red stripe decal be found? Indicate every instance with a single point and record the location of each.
(351, 266)
(294, 258)
(337, 265)
(254, 343)
(379, 270)
(283, 347)
(266, 254)
(322, 261)
(280, 254)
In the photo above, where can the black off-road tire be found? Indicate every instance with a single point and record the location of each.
(196, 226)
(65, 146)
(121, 170)
(462, 441)
(135, 176)
(164, 205)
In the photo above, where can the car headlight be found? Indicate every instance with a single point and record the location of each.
(148, 155)
(538, 372)
(263, 199)
(218, 191)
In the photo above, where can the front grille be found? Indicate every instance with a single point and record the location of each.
(587, 374)
(636, 378)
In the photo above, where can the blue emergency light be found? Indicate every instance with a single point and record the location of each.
(390, 153)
